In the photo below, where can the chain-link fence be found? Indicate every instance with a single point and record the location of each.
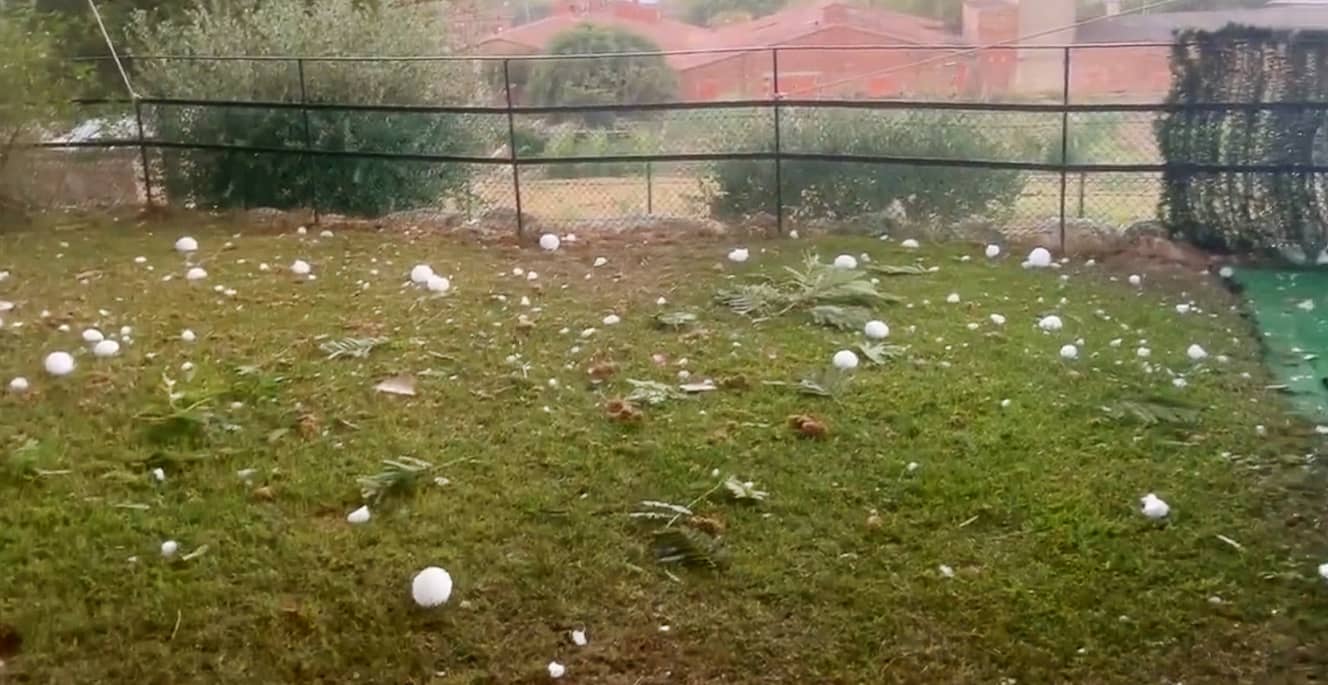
(1034, 138)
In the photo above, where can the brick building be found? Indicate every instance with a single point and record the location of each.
(838, 49)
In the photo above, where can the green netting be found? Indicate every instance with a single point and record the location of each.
(1291, 311)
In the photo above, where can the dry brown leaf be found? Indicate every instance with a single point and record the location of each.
(397, 385)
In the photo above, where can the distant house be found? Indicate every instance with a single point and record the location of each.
(914, 56)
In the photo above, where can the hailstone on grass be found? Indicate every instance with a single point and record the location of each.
(140, 260)
(431, 587)
(438, 284)
(952, 298)
(1226, 272)
(19, 384)
(1182, 309)
(1196, 353)
(876, 330)
(169, 548)
(106, 348)
(358, 516)
(549, 242)
(1143, 352)
(909, 243)
(556, 670)
(612, 320)
(1153, 507)
(1051, 323)
(93, 335)
(159, 474)
(998, 319)
(845, 360)
(421, 274)
(846, 261)
(300, 267)
(993, 251)
(195, 274)
(1135, 279)
(59, 364)
(1069, 352)
(325, 234)
(186, 244)
(600, 261)
(1039, 258)
(738, 255)
(579, 638)
(188, 336)
(1323, 571)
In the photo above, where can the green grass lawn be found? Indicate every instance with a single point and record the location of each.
(1033, 506)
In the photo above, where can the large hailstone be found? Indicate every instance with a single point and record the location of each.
(300, 268)
(1069, 352)
(186, 244)
(549, 242)
(106, 348)
(18, 385)
(59, 364)
(739, 255)
(993, 251)
(909, 243)
(876, 330)
(1153, 507)
(188, 336)
(557, 670)
(1039, 258)
(846, 261)
(431, 587)
(195, 274)
(93, 335)
(1196, 353)
(359, 516)
(1051, 323)
(845, 360)
(1135, 279)
(421, 274)
(169, 548)
(438, 284)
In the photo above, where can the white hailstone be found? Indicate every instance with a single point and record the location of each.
(63, 328)
(909, 243)
(946, 571)
(965, 259)
(579, 638)
(1323, 571)
(952, 298)
(19, 384)
(126, 331)
(661, 301)
(793, 234)
(518, 271)
(1153, 507)
(993, 251)
(186, 244)
(421, 274)
(1039, 258)
(876, 330)
(1069, 352)
(300, 267)
(912, 466)
(557, 670)
(1306, 305)
(1196, 353)
(6, 306)
(1260, 430)
(188, 336)
(1226, 272)
(4, 276)
(845, 360)
(106, 348)
(531, 275)
(1143, 352)
(1179, 382)
(972, 326)
(569, 238)
(195, 274)
(59, 364)
(93, 335)
(431, 587)
(997, 319)
(438, 284)
(549, 242)
(187, 367)
(358, 516)
(1051, 323)
(1005, 403)
(301, 230)
(612, 320)
(325, 234)
(600, 261)
(159, 474)
(846, 261)
(140, 260)
(169, 548)
(1182, 309)
(1115, 342)
(262, 266)
(1135, 279)
(738, 255)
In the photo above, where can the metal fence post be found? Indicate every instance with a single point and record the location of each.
(650, 190)
(310, 166)
(143, 153)
(779, 165)
(1065, 140)
(511, 146)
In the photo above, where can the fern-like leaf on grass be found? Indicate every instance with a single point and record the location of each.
(358, 348)
(1151, 412)
(688, 547)
(892, 270)
(843, 318)
(878, 354)
(399, 477)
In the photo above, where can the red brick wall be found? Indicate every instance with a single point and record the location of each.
(1141, 74)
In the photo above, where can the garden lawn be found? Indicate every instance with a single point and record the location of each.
(977, 453)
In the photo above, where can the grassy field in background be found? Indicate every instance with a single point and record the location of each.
(977, 449)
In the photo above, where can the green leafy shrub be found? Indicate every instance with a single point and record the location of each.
(600, 80)
(598, 142)
(330, 27)
(840, 190)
